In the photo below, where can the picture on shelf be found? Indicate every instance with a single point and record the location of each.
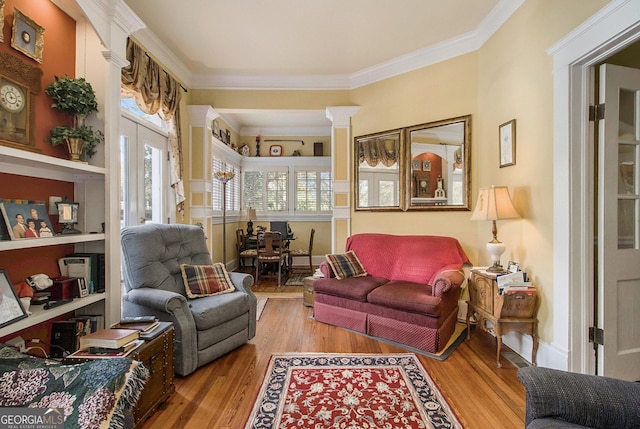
(26, 220)
(11, 309)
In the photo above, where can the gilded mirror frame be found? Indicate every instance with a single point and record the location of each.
(386, 151)
(438, 175)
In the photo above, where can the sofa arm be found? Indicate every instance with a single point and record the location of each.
(326, 270)
(587, 400)
(447, 280)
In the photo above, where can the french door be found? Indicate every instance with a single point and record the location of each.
(143, 174)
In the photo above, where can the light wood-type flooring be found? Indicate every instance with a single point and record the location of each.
(221, 394)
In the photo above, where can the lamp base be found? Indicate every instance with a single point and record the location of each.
(496, 268)
(250, 228)
(495, 249)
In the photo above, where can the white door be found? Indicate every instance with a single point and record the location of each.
(143, 181)
(619, 223)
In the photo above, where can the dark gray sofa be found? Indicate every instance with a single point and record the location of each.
(205, 328)
(560, 399)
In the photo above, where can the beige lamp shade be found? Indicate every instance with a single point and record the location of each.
(494, 204)
(251, 214)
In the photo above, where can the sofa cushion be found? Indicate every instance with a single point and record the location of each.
(406, 296)
(205, 280)
(412, 258)
(356, 288)
(345, 265)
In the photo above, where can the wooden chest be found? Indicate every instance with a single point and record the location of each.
(307, 291)
(157, 357)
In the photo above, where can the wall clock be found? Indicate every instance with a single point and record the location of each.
(19, 84)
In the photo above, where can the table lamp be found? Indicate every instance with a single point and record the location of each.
(251, 216)
(494, 204)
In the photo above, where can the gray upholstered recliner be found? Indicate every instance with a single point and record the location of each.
(560, 399)
(207, 327)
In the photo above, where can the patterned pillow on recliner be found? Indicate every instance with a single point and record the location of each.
(346, 265)
(206, 280)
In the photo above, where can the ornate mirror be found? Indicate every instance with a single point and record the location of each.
(439, 165)
(378, 183)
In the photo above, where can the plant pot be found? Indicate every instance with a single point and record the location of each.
(74, 149)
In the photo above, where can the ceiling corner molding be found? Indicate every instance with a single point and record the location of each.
(313, 82)
(161, 53)
(495, 19)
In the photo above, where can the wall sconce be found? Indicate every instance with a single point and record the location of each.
(494, 204)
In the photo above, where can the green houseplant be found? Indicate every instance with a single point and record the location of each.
(74, 96)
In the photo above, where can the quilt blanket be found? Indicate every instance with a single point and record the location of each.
(94, 394)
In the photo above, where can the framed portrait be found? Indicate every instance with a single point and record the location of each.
(513, 267)
(507, 132)
(227, 139)
(27, 36)
(26, 220)
(426, 165)
(11, 309)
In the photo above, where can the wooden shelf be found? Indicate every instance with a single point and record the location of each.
(40, 315)
(30, 243)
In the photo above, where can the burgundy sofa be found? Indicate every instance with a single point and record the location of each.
(409, 295)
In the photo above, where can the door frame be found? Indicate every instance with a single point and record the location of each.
(614, 27)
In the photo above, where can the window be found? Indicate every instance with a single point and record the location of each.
(313, 191)
(272, 189)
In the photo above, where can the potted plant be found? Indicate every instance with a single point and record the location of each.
(76, 97)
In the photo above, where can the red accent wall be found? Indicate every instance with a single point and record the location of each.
(58, 59)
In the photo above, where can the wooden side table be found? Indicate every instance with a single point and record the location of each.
(157, 356)
(506, 313)
(307, 291)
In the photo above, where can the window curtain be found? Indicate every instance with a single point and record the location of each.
(155, 92)
(376, 151)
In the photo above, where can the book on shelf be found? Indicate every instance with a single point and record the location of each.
(105, 352)
(96, 269)
(76, 266)
(109, 338)
(526, 287)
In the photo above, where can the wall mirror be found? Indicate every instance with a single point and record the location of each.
(438, 163)
(379, 183)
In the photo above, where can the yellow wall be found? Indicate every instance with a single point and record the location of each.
(509, 77)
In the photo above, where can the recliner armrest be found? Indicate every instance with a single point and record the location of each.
(157, 299)
(587, 400)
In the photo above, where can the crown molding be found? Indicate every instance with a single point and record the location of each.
(448, 49)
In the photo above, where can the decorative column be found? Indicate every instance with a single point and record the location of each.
(341, 166)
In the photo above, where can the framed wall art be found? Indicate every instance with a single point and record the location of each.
(27, 36)
(275, 150)
(507, 132)
(11, 309)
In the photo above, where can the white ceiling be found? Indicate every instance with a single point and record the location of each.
(308, 44)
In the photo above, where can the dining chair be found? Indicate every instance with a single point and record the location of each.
(303, 253)
(243, 251)
(270, 251)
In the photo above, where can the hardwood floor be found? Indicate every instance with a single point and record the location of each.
(221, 394)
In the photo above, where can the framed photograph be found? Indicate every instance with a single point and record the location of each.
(83, 287)
(426, 165)
(275, 150)
(27, 36)
(11, 309)
(507, 133)
(228, 137)
(215, 128)
(2, 21)
(415, 164)
(26, 220)
(513, 267)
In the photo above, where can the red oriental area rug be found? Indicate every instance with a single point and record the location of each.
(350, 391)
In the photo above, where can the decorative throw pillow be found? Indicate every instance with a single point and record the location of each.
(346, 265)
(206, 280)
